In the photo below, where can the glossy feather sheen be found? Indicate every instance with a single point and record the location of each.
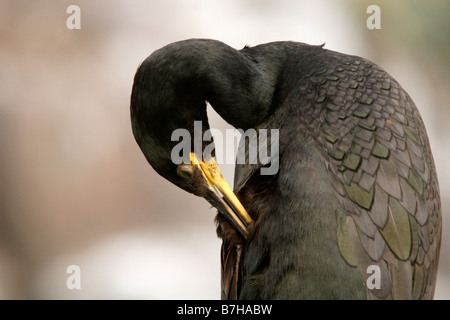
(355, 164)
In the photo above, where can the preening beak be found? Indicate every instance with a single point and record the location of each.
(228, 205)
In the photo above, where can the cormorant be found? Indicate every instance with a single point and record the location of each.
(353, 211)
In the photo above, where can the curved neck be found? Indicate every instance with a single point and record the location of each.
(239, 85)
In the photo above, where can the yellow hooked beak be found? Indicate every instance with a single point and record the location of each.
(229, 205)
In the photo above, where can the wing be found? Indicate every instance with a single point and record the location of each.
(381, 167)
(376, 150)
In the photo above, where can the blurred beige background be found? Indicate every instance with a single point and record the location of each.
(74, 186)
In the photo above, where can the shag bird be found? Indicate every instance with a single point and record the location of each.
(353, 211)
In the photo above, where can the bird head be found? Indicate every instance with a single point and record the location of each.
(163, 102)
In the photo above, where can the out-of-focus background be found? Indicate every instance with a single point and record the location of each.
(74, 186)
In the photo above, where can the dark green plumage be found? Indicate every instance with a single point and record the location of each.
(356, 184)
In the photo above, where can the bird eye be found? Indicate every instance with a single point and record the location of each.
(185, 171)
